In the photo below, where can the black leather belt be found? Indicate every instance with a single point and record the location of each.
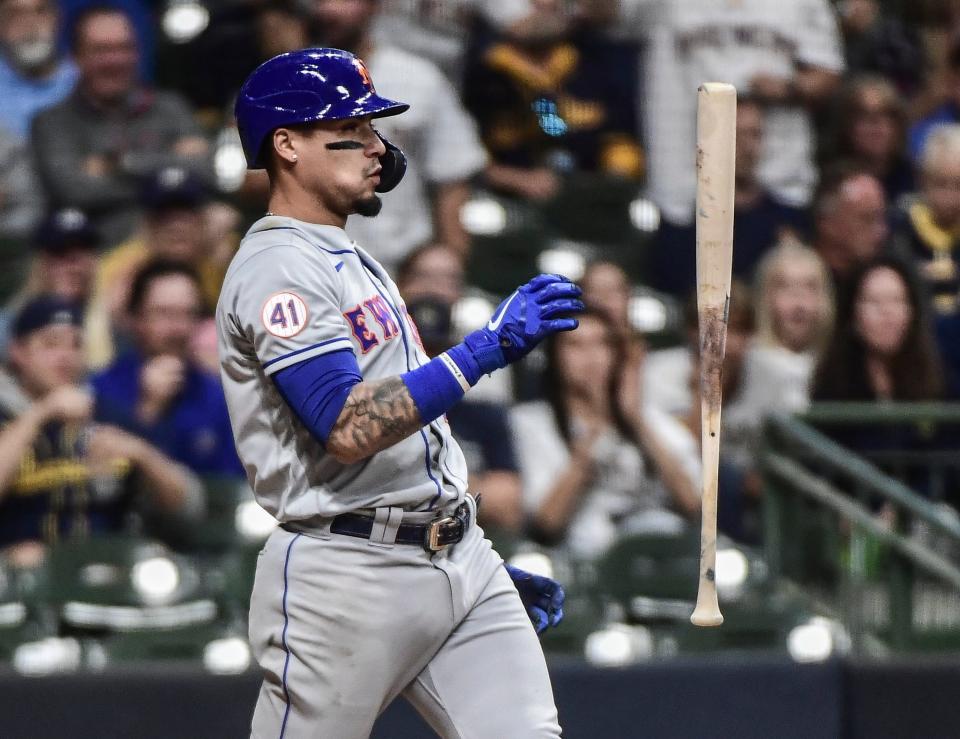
(432, 536)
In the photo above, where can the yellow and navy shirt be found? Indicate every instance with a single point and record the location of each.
(55, 493)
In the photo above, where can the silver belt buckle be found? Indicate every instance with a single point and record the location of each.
(433, 533)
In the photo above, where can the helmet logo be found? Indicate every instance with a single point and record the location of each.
(364, 74)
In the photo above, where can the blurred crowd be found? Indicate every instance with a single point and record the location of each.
(122, 200)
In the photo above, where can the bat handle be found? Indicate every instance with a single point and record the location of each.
(707, 610)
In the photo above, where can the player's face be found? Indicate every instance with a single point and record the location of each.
(798, 302)
(586, 358)
(70, 275)
(882, 313)
(107, 56)
(169, 316)
(338, 162)
(48, 358)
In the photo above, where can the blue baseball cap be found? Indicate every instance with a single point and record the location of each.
(66, 229)
(174, 187)
(43, 311)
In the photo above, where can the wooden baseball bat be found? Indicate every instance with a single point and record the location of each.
(716, 130)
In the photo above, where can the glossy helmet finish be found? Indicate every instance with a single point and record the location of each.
(312, 85)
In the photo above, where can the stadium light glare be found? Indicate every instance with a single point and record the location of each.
(644, 215)
(617, 645)
(184, 20)
(253, 523)
(483, 216)
(562, 261)
(155, 579)
(227, 656)
(536, 563)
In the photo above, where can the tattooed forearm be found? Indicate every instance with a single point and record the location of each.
(376, 415)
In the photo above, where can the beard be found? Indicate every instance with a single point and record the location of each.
(368, 207)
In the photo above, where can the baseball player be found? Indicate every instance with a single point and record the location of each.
(378, 581)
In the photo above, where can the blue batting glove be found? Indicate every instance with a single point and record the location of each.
(532, 312)
(542, 597)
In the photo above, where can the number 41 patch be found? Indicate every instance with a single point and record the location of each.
(284, 314)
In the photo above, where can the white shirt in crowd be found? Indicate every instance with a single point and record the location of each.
(775, 380)
(441, 143)
(689, 42)
(622, 498)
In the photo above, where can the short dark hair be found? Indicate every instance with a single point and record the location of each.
(157, 269)
(832, 180)
(83, 16)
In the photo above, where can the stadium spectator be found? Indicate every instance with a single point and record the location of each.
(669, 376)
(21, 206)
(607, 289)
(948, 111)
(93, 149)
(174, 228)
(548, 105)
(481, 428)
(876, 42)
(882, 348)
(794, 307)
(66, 259)
(786, 54)
(33, 74)
(430, 279)
(437, 135)
(871, 126)
(435, 271)
(760, 217)
(62, 476)
(596, 461)
(671, 380)
(850, 221)
(927, 227)
(154, 389)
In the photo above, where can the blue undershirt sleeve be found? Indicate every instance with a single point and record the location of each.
(317, 388)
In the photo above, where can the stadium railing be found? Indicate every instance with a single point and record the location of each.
(878, 554)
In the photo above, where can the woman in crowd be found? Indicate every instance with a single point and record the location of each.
(872, 131)
(794, 314)
(594, 462)
(882, 350)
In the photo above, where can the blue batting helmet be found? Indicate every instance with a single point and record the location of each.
(312, 85)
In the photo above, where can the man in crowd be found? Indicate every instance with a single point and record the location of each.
(760, 218)
(65, 245)
(33, 74)
(93, 149)
(437, 135)
(60, 475)
(850, 221)
(786, 54)
(155, 389)
(430, 280)
(175, 228)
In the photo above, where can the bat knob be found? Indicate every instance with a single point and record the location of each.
(706, 617)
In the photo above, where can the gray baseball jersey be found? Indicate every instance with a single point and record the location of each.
(294, 291)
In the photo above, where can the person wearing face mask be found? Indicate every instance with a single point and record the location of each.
(33, 74)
